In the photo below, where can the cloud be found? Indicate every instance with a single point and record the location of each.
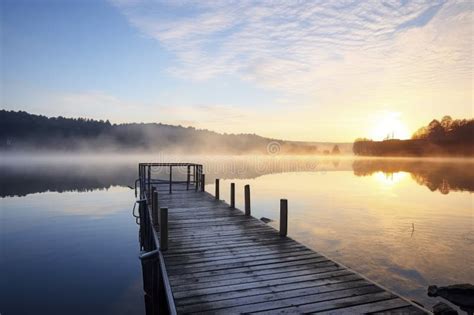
(308, 46)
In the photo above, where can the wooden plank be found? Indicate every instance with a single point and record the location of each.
(384, 305)
(246, 263)
(407, 310)
(264, 283)
(229, 251)
(217, 245)
(253, 273)
(299, 300)
(273, 296)
(225, 281)
(336, 306)
(211, 298)
(243, 245)
(268, 258)
(230, 255)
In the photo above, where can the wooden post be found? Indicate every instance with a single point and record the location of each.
(283, 217)
(149, 183)
(163, 228)
(196, 178)
(203, 182)
(188, 178)
(232, 195)
(247, 199)
(217, 188)
(171, 177)
(154, 206)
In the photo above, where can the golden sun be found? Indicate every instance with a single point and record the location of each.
(389, 126)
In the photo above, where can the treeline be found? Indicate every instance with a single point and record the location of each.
(447, 137)
(24, 131)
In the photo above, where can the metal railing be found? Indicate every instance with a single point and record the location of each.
(158, 295)
(146, 180)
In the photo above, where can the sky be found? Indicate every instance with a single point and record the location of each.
(297, 70)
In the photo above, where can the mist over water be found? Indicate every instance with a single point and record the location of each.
(405, 223)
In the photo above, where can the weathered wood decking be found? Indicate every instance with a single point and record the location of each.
(221, 261)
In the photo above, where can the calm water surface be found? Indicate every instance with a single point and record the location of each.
(68, 242)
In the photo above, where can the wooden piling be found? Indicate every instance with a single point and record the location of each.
(196, 178)
(154, 206)
(217, 189)
(283, 217)
(232, 195)
(171, 178)
(247, 199)
(203, 182)
(163, 229)
(149, 184)
(188, 177)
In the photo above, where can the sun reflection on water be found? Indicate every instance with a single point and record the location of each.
(390, 179)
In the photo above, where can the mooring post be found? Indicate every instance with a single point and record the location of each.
(232, 195)
(217, 188)
(163, 228)
(247, 199)
(203, 182)
(149, 183)
(171, 177)
(196, 178)
(142, 212)
(188, 178)
(154, 206)
(283, 217)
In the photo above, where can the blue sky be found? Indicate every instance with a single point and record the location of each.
(316, 70)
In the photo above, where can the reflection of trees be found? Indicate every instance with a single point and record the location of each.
(443, 176)
(21, 180)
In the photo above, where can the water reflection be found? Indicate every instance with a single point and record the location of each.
(21, 179)
(374, 215)
(443, 176)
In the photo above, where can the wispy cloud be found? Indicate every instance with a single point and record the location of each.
(309, 46)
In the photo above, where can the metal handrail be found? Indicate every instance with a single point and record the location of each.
(149, 242)
(151, 249)
(145, 180)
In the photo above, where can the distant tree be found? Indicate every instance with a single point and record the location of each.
(335, 150)
(446, 137)
(448, 129)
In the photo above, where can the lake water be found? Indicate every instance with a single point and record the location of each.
(69, 243)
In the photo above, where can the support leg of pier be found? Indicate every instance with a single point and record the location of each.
(283, 217)
(247, 199)
(154, 206)
(196, 178)
(217, 189)
(203, 182)
(188, 178)
(171, 178)
(149, 183)
(163, 229)
(232, 195)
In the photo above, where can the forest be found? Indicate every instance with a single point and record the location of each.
(20, 131)
(448, 137)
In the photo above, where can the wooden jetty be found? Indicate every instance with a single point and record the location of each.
(202, 255)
